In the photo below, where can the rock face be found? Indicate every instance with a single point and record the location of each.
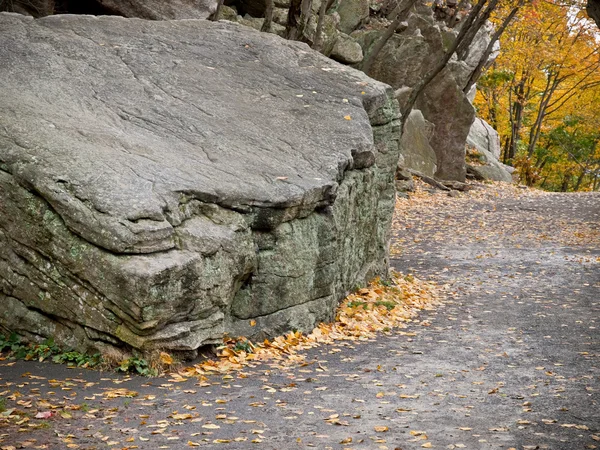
(162, 9)
(346, 50)
(35, 8)
(162, 183)
(352, 28)
(483, 152)
(415, 151)
(593, 10)
(445, 105)
(406, 58)
(352, 14)
(145, 9)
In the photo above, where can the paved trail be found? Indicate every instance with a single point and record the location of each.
(512, 360)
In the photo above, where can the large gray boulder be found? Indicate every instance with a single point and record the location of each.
(352, 14)
(346, 50)
(445, 105)
(145, 9)
(162, 9)
(162, 183)
(483, 152)
(35, 8)
(415, 150)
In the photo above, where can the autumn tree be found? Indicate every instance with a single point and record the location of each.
(548, 72)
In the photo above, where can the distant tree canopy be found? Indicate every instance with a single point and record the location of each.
(543, 96)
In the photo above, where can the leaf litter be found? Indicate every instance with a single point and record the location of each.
(380, 307)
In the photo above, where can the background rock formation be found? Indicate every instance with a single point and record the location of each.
(483, 152)
(145, 9)
(164, 182)
(593, 10)
(351, 31)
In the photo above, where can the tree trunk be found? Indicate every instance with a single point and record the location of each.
(534, 134)
(298, 16)
(269, 7)
(579, 180)
(565, 182)
(469, 28)
(516, 118)
(318, 40)
(463, 48)
(481, 65)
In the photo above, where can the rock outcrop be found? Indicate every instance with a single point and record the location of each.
(351, 30)
(162, 9)
(593, 10)
(145, 9)
(407, 57)
(483, 152)
(415, 151)
(162, 183)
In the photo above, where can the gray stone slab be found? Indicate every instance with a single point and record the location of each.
(162, 181)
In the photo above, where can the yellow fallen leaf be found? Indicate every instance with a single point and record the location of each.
(346, 441)
(211, 426)
(381, 429)
(166, 359)
(416, 433)
(347, 117)
(427, 445)
(193, 444)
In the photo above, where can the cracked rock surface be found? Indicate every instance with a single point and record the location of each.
(164, 182)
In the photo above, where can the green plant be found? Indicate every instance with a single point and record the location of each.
(386, 283)
(137, 365)
(389, 305)
(11, 343)
(2, 404)
(357, 304)
(41, 351)
(243, 346)
(78, 359)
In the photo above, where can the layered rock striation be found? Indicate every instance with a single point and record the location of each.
(162, 183)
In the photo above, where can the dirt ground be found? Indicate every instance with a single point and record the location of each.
(511, 360)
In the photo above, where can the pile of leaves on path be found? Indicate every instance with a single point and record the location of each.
(380, 307)
(475, 216)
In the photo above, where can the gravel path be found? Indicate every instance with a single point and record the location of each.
(511, 360)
